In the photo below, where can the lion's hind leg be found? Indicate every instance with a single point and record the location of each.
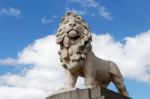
(117, 78)
(119, 83)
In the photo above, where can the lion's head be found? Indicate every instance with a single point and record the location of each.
(74, 38)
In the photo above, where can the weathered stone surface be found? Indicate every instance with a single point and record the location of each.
(95, 93)
(83, 93)
(74, 94)
(78, 59)
(112, 95)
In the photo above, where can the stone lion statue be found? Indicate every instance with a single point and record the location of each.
(78, 59)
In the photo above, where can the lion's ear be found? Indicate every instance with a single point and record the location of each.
(79, 18)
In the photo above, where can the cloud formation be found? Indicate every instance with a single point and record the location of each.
(10, 11)
(90, 7)
(46, 20)
(104, 13)
(85, 3)
(40, 78)
(8, 61)
(46, 75)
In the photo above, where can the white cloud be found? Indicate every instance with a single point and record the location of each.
(90, 7)
(46, 20)
(104, 13)
(85, 3)
(8, 61)
(46, 69)
(21, 93)
(10, 11)
(46, 73)
(80, 12)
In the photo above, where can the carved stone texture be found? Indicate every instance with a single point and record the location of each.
(78, 59)
(95, 93)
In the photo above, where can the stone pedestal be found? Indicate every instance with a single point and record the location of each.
(95, 93)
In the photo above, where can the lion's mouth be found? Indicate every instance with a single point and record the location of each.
(74, 31)
(73, 34)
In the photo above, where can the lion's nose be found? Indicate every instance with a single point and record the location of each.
(72, 24)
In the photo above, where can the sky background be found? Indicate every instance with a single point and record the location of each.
(29, 63)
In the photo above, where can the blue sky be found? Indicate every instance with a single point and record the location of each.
(24, 23)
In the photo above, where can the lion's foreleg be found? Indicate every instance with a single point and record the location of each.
(70, 80)
(89, 74)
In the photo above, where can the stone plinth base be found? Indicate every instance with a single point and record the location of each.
(95, 93)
